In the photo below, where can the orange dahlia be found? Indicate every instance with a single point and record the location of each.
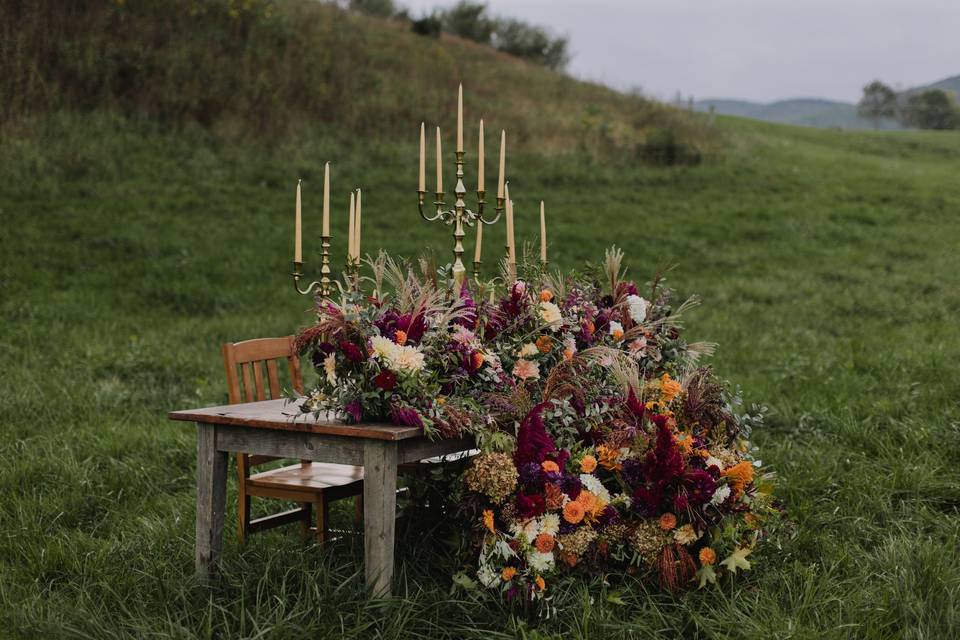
(588, 464)
(550, 466)
(546, 295)
(544, 543)
(545, 344)
(508, 573)
(400, 337)
(668, 521)
(573, 512)
(669, 389)
(707, 556)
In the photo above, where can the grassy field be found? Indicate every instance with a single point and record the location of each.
(827, 263)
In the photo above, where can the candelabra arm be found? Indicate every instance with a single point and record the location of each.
(438, 203)
(481, 201)
(297, 274)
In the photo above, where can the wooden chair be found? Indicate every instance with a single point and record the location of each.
(312, 484)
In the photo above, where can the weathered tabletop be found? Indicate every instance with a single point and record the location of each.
(276, 428)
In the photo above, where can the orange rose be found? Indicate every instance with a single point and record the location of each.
(707, 556)
(668, 521)
(544, 543)
(541, 584)
(588, 464)
(508, 573)
(400, 337)
(550, 466)
(544, 344)
(573, 512)
(546, 295)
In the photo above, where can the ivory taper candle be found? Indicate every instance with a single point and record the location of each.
(460, 118)
(297, 241)
(423, 158)
(476, 252)
(480, 159)
(503, 163)
(511, 248)
(356, 229)
(352, 229)
(439, 164)
(326, 200)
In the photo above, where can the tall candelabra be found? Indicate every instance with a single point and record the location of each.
(459, 216)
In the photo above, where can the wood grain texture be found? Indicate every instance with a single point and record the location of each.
(283, 416)
(211, 499)
(296, 445)
(379, 513)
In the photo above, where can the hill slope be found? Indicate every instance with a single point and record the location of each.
(276, 68)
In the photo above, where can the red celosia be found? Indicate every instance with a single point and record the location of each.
(533, 443)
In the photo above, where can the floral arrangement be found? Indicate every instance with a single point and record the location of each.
(605, 445)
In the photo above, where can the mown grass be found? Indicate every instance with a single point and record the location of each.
(826, 261)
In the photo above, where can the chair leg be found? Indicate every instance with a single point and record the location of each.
(323, 513)
(306, 509)
(358, 512)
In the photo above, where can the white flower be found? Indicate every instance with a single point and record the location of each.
(594, 486)
(408, 358)
(624, 499)
(713, 462)
(638, 308)
(487, 576)
(383, 347)
(530, 529)
(686, 534)
(616, 330)
(330, 366)
(721, 494)
(550, 314)
(550, 523)
(529, 349)
(540, 562)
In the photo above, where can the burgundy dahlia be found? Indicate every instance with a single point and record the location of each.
(530, 506)
(386, 380)
(351, 352)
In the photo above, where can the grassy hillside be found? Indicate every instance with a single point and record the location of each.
(825, 261)
(275, 69)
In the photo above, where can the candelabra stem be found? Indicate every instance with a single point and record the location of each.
(325, 282)
(459, 270)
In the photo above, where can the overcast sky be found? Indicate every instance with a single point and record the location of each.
(755, 49)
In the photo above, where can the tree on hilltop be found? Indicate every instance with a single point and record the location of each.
(931, 109)
(879, 101)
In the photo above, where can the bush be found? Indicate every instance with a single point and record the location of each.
(531, 43)
(664, 148)
(469, 20)
(429, 25)
(931, 109)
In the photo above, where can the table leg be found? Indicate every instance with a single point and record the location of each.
(379, 513)
(211, 498)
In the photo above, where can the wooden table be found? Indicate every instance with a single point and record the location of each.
(276, 428)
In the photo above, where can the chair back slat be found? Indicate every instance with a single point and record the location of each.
(258, 380)
(247, 369)
(273, 377)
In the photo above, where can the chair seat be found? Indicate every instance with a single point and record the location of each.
(314, 477)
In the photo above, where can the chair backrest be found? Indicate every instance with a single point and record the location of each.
(244, 362)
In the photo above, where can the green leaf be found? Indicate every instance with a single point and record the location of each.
(707, 575)
(737, 560)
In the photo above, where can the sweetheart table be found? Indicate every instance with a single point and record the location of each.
(277, 428)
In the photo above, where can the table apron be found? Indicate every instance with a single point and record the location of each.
(422, 448)
(290, 444)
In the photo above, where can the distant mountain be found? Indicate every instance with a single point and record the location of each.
(814, 112)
